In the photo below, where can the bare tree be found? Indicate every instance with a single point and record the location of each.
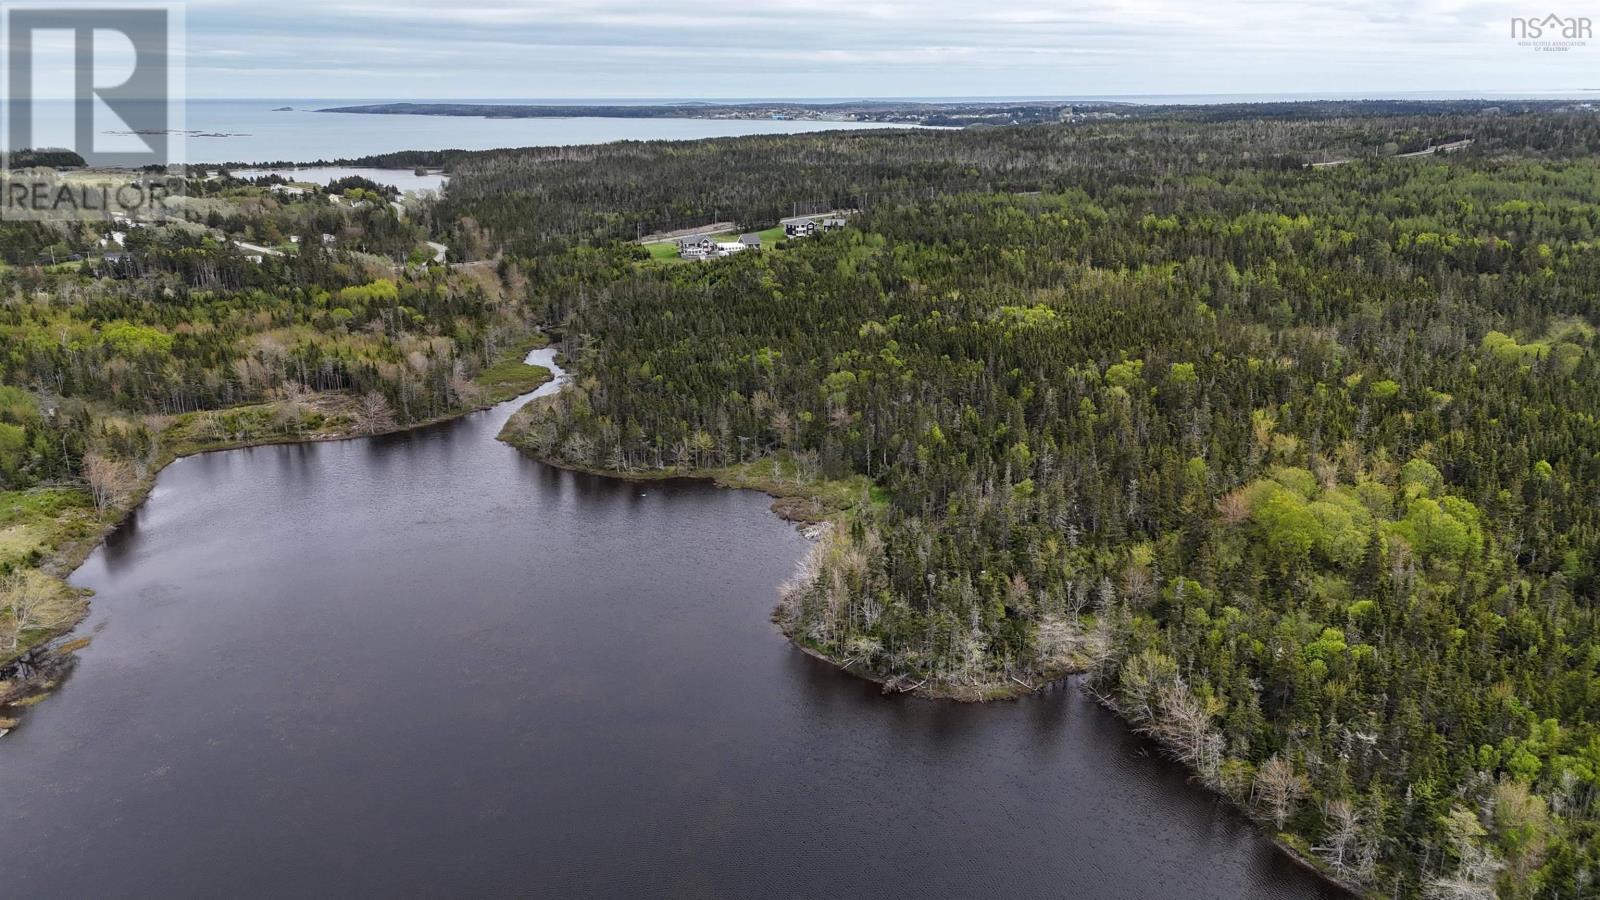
(1185, 726)
(374, 413)
(466, 391)
(110, 480)
(1139, 584)
(1278, 787)
(1344, 832)
(30, 599)
(1234, 507)
(1476, 867)
(1473, 878)
(782, 425)
(578, 448)
(207, 427)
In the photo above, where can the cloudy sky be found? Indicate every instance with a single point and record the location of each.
(880, 48)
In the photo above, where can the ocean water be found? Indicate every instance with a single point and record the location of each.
(261, 131)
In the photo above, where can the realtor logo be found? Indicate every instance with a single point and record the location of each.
(98, 83)
(1552, 32)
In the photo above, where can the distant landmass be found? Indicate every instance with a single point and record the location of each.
(958, 113)
(885, 111)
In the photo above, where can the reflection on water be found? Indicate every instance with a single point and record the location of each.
(423, 664)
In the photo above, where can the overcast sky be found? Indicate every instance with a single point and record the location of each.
(880, 48)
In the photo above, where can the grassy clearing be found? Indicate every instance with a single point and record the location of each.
(662, 251)
(313, 417)
(35, 523)
(800, 496)
(770, 236)
(667, 251)
(317, 416)
(511, 377)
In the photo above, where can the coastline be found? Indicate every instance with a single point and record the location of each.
(31, 674)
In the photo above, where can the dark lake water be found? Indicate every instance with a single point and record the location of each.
(424, 665)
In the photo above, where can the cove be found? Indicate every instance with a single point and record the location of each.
(422, 664)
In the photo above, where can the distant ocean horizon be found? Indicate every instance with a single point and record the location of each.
(261, 130)
(1177, 99)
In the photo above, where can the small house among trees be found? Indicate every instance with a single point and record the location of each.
(696, 246)
(799, 227)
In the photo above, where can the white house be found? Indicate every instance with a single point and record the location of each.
(696, 246)
(799, 227)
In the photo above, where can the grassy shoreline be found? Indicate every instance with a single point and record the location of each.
(71, 544)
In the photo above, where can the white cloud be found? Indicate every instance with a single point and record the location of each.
(767, 48)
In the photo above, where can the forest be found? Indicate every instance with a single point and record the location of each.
(540, 200)
(1300, 465)
(128, 344)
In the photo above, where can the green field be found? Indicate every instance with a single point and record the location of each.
(510, 376)
(666, 251)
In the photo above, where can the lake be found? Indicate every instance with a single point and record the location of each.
(422, 664)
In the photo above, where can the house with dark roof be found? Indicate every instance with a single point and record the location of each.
(696, 246)
(799, 227)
